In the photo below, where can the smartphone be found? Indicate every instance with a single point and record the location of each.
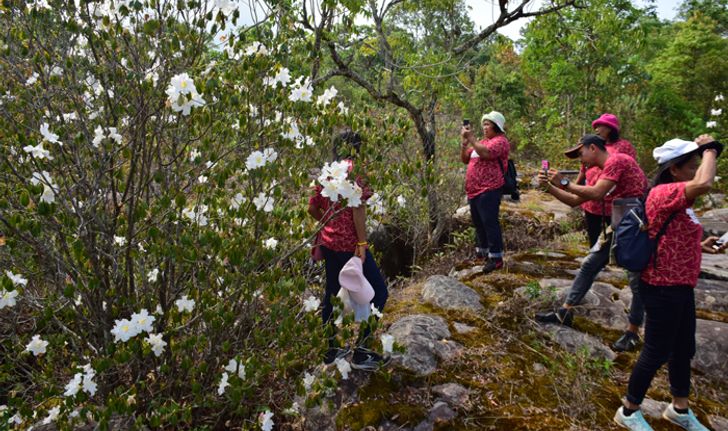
(545, 165)
(466, 123)
(722, 240)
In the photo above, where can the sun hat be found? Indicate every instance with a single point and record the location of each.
(351, 278)
(496, 118)
(588, 139)
(361, 311)
(607, 119)
(677, 150)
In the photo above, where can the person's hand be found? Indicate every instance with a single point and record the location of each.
(361, 252)
(555, 177)
(543, 178)
(708, 243)
(704, 139)
(466, 134)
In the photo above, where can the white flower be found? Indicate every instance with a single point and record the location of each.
(236, 201)
(375, 311)
(7, 298)
(158, 310)
(283, 76)
(266, 421)
(120, 240)
(376, 204)
(344, 367)
(194, 154)
(17, 279)
(48, 135)
(114, 135)
(184, 304)
(401, 201)
(74, 385)
(49, 187)
(311, 304)
(716, 112)
(328, 95)
(256, 48)
(32, 79)
(182, 94)
(71, 116)
(234, 367)
(270, 243)
(157, 343)
(302, 91)
(255, 160)
(270, 155)
(124, 330)
(711, 124)
(38, 151)
(98, 136)
(196, 214)
(223, 384)
(16, 419)
(308, 380)
(143, 321)
(152, 275)
(263, 202)
(52, 415)
(342, 108)
(36, 346)
(387, 343)
(719, 98)
(226, 6)
(202, 179)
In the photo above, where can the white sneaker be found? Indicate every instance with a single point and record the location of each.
(685, 420)
(634, 422)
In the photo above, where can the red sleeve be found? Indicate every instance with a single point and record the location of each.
(366, 191)
(497, 147)
(665, 199)
(316, 200)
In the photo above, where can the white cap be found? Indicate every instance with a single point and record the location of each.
(673, 149)
(497, 118)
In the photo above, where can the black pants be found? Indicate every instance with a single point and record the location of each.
(594, 225)
(484, 210)
(669, 338)
(335, 261)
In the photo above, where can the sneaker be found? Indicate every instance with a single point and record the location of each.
(634, 422)
(491, 265)
(335, 353)
(685, 420)
(627, 342)
(562, 316)
(365, 359)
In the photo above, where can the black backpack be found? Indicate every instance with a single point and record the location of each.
(510, 182)
(631, 243)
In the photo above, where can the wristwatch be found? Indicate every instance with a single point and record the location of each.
(564, 182)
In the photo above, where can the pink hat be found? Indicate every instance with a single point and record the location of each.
(352, 279)
(606, 119)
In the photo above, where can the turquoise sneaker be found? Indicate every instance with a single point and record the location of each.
(634, 422)
(685, 420)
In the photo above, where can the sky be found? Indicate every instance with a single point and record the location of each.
(484, 12)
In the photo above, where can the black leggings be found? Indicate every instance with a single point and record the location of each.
(669, 338)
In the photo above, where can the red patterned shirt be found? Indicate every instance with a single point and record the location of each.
(679, 251)
(339, 233)
(485, 175)
(622, 146)
(630, 181)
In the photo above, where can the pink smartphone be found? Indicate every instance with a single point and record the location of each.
(545, 165)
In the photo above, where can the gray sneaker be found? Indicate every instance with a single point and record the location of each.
(368, 360)
(634, 422)
(685, 420)
(335, 353)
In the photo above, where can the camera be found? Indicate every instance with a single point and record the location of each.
(545, 165)
(722, 240)
(466, 122)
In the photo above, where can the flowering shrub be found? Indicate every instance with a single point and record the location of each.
(145, 166)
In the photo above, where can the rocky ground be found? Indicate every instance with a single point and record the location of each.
(474, 358)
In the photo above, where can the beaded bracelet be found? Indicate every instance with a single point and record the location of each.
(362, 243)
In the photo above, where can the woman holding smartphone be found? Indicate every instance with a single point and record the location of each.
(483, 183)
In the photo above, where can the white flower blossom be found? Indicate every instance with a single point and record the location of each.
(375, 311)
(196, 214)
(283, 76)
(157, 343)
(263, 202)
(38, 151)
(32, 79)
(711, 124)
(719, 98)
(270, 243)
(143, 321)
(234, 367)
(223, 384)
(376, 204)
(256, 48)
(74, 385)
(152, 275)
(236, 201)
(49, 187)
(194, 154)
(202, 179)
(98, 136)
(48, 135)
(185, 304)
(182, 94)
(226, 6)
(401, 201)
(120, 240)
(17, 279)
(52, 415)
(7, 298)
(308, 380)
(344, 367)
(36, 346)
(255, 160)
(387, 343)
(124, 330)
(266, 421)
(716, 112)
(302, 91)
(342, 108)
(328, 95)
(311, 304)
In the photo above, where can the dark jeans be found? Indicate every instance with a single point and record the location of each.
(594, 225)
(484, 210)
(669, 338)
(335, 261)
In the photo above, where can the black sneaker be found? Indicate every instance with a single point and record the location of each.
(562, 316)
(627, 342)
(365, 359)
(334, 353)
(492, 265)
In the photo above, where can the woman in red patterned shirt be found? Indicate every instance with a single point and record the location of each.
(487, 160)
(667, 284)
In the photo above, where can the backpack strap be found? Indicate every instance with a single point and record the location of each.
(659, 234)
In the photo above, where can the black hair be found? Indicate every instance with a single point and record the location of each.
(345, 143)
(664, 176)
(495, 126)
(613, 135)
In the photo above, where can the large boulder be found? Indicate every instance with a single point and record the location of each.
(711, 339)
(425, 338)
(714, 266)
(450, 294)
(574, 341)
(712, 295)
